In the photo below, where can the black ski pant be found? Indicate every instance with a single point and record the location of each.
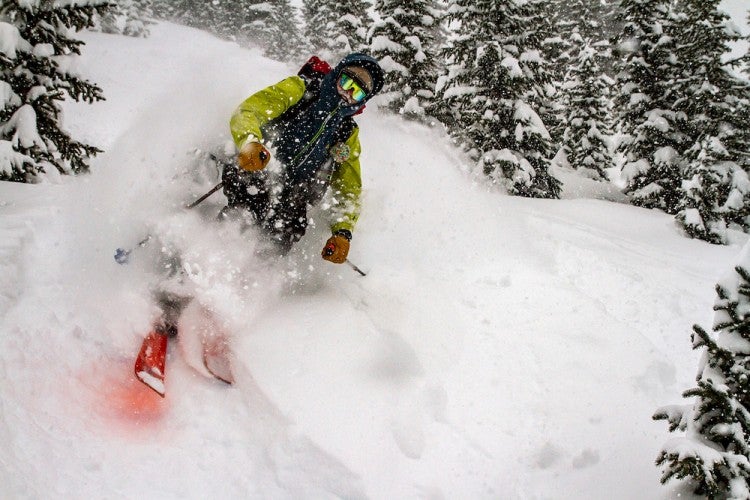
(283, 219)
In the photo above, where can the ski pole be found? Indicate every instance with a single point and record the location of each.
(199, 200)
(329, 251)
(122, 256)
(362, 273)
(213, 189)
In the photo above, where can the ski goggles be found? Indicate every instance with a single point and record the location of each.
(347, 83)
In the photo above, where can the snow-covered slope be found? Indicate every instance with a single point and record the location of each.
(499, 347)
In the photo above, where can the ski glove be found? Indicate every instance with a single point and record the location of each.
(253, 156)
(337, 247)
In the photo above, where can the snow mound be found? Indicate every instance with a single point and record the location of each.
(498, 347)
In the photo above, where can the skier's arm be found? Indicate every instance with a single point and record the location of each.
(346, 185)
(264, 106)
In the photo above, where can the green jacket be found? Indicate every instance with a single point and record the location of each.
(270, 103)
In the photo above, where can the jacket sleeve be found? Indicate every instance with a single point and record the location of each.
(346, 184)
(264, 106)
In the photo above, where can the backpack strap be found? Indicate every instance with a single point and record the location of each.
(313, 72)
(345, 130)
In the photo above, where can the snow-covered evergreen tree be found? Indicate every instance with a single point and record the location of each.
(588, 127)
(128, 17)
(645, 67)
(318, 16)
(404, 41)
(577, 25)
(162, 9)
(168, 9)
(247, 20)
(712, 107)
(243, 20)
(283, 39)
(187, 12)
(700, 215)
(352, 23)
(540, 33)
(685, 116)
(35, 40)
(714, 453)
(225, 18)
(335, 29)
(489, 93)
(582, 21)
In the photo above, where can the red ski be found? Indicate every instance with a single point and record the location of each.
(151, 362)
(205, 343)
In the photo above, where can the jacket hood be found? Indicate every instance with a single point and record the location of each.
(365, 62)
(328, 86)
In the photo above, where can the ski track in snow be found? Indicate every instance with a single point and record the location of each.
(498, 348)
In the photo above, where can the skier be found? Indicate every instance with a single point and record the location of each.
(307, 120)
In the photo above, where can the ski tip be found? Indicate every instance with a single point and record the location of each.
(219, 368)
(153, 381)
(222, 379)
